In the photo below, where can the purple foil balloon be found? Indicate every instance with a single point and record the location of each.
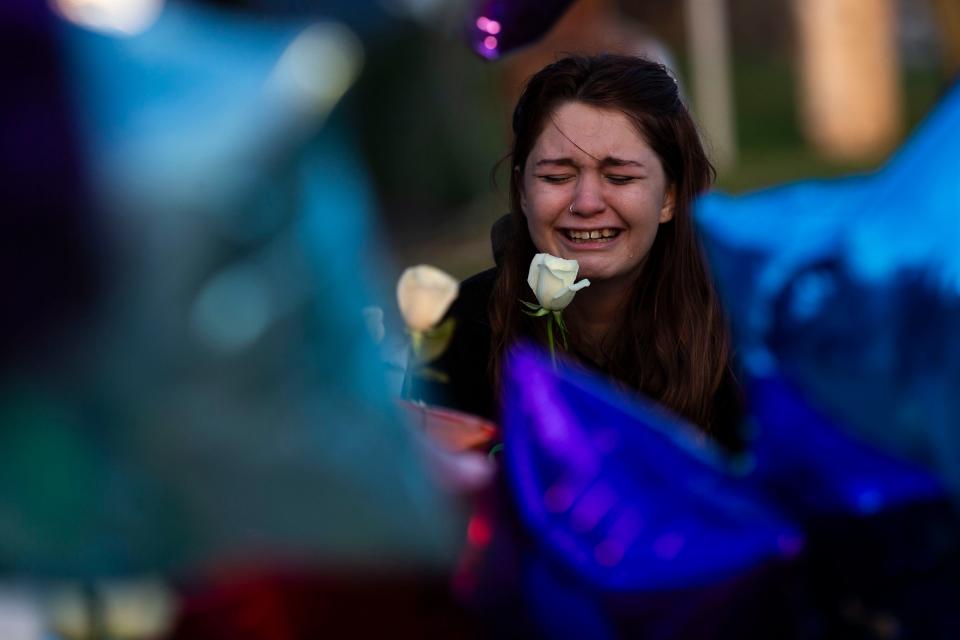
(497, 27)
(623, 494)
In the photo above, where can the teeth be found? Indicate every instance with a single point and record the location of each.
(595, 234)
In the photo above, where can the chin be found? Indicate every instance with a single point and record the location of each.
(600, 272)
(594, 271)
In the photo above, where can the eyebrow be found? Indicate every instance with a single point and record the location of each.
(609, 161)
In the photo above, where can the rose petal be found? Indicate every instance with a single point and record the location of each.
(424, 294)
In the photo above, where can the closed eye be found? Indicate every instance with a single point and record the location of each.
(617, 179)
(555, 178)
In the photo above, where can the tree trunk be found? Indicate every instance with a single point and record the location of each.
(849, 75)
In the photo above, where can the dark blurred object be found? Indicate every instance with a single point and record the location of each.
(497, 27)
(884, 539)
(291, 605)
(49, 251)
(891, 574)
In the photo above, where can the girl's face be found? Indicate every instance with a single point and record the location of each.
(595, 160)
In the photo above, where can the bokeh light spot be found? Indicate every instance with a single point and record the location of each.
(115, 17)
(318, 67)
(232, 310)
(479, 531)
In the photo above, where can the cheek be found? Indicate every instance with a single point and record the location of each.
(541, 231)
(544, 204)
(642, 209)
(537, 231)
(535, 210)
(527, 191)
(643, 242)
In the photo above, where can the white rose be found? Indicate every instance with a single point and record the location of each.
(424, 294)
(551, 279)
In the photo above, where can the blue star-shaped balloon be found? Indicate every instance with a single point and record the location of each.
(851, 289)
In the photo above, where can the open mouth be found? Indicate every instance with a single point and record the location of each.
(592, 235)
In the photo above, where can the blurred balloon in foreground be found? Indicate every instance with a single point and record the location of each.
(812, 468)
(627, 508)
(497, 27)
(637, 525)
(624, 494)
(223, 403)
(851, 290)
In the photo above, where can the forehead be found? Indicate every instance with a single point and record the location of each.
(580, 131)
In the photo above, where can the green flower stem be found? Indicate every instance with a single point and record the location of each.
(416, 342)
(553, 317)
(553, 354)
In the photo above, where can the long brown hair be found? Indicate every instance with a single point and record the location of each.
(673, 342)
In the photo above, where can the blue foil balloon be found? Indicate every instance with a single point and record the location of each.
(497, 27)
(850, 289)
(812, 469)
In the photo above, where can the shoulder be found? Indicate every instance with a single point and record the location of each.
(480, 283)
(474, 297)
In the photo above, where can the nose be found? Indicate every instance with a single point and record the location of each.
(588, 198)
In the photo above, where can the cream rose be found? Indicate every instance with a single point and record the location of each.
(424, 294)
(551, 279)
